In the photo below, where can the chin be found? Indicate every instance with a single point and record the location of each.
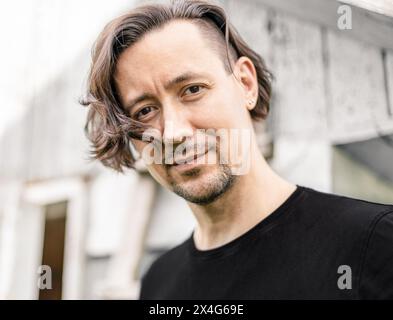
(204, 188)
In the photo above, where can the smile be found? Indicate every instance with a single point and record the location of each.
(185, 164)
(180, 161)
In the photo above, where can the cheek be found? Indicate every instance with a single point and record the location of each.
(159, 174)
(225, 110)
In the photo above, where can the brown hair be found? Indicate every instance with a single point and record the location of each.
(108, 125)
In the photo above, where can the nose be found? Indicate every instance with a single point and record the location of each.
(177, 127)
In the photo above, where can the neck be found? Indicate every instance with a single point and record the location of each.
(251, 199)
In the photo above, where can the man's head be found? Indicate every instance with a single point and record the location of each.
(174, 69)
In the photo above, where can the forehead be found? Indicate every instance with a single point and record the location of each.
(161, 54)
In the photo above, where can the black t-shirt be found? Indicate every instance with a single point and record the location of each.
(314, 246)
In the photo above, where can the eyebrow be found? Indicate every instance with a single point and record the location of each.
(186, 76)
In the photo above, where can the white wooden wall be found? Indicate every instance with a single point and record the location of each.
(43, 72)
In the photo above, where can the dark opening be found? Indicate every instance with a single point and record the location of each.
(53, 250)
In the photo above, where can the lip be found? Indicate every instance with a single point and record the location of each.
(187, 163)
(187, 160)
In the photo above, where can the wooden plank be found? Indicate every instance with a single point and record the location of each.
(301, 143)
(46, 137)
(255, 31)
(388, 64)
(168, 207)
(299, 105)
(304, 161)
(356, 79)
(369, 27)
(382, 7)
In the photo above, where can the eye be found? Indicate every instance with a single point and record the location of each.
(142, 113)
(194, 89)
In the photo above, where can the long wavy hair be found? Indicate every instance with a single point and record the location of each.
(108, 126)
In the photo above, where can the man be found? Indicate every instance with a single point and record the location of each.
(177, 76)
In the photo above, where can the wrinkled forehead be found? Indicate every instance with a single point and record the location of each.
(161, 54)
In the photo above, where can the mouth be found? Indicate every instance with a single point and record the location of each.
(186, 160)
(183, 164)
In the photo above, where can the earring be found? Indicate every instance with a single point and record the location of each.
(251, 102)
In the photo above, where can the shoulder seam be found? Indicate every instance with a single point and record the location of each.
(369, 234)
(350, 197)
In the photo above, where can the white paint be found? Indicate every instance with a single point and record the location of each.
(304, 161)
(389, 74)
(74, 191)
(172, 221)
(110, 197)
(358, 100)
(44, 39)
(121, 281)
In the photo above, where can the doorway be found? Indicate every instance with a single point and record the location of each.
(53, 248)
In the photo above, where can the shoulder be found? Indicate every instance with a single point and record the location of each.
(167, 259)
(376, 278)
(366, 228)
(344, 211)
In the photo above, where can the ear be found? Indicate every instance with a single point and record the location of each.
(246, 76)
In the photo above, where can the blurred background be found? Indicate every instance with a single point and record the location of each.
(330, 128)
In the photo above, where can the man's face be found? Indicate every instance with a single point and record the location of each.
(183, 87)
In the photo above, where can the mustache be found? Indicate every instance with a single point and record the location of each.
(187, 151)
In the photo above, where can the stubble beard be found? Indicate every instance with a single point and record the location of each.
(207, 190)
